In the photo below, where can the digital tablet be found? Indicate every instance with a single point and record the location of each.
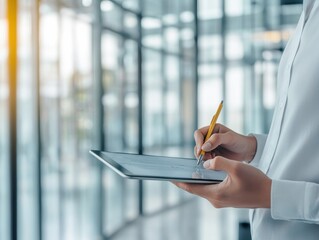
(145, 167)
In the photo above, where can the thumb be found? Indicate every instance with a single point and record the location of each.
(221, 164)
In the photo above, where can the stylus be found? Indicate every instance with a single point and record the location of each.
(210, 130)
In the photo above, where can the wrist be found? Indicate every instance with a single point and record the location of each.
(266, 200)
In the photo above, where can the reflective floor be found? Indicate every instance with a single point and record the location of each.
(196, 219)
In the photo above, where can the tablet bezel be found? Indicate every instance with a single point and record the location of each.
(123, 172)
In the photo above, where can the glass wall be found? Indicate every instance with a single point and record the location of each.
(240, 44)
(69, 177)
(160, 40)
(168, 48)
(120, 103)
(161, 69)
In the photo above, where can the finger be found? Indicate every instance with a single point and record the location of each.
(197, 189)
(216, 140)
(199, 136)
(196, 152)
(184, 186)
(221, 164)
(219, 128)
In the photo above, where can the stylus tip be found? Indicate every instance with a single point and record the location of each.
(200, 159)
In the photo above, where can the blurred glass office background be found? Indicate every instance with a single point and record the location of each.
(136, 76)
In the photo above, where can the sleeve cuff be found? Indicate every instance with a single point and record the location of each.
(287, 200)
(261, 141)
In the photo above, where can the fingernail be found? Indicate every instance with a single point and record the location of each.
(206, 164)
(207, 146)
(198, 150)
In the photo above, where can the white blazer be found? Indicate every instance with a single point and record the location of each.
(289, 154)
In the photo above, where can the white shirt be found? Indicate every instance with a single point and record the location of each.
(290, 153)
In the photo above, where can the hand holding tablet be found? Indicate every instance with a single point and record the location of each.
(134, 166)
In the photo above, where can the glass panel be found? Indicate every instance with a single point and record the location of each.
(130, 24)
(113, 80)
(131, 201)
(189, 108)
(113, 186)
(208, 9)
(173, 194)
(83, 194)
(234, 8)
(26, 117)
(210, 94)
(131, 122)
(112, 15)
(234, 47)
(152, 30)
(4, 157)
(153, 196)
(69, 177)
(153, 100)
(173, 101)
(131, 97)
(68, 128)
(171, 39)
(50, 129)
(187, 43)
(153, 121)
(132, 4)
(235, 98)
(210, 47)
(152, 8)
(120, 102)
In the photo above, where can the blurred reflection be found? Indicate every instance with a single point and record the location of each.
(239, 47)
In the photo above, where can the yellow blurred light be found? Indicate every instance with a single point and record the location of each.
(272, 36)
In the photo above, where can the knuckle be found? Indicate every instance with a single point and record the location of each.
(218, 126)
(227, 134)
(187, 188)
(236, 168)
(196, 132)
(216, 204)
(216, 136)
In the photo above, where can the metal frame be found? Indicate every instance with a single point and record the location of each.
(223, 57)
(36, 46)
(197, 30)
(140, 108)
(99, 111)
(12, 13)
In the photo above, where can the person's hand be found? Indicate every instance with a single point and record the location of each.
(226, 143)
(244, 187)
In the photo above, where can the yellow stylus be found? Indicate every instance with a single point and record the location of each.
(210, 130)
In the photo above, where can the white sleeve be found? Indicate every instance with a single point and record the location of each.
(295, 200)
(261, 141)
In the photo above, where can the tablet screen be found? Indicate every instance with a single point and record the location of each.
(159, 166)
